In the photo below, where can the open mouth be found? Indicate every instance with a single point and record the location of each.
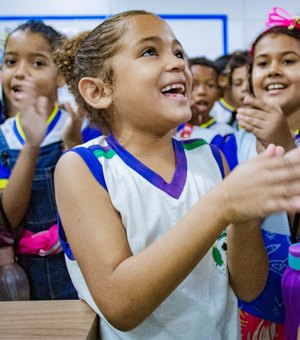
(16, 88)
(201, 105)
(174, 90)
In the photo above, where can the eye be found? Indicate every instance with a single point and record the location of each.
(288, 61)
(38, 63)
(237, 83)
(212, 85)
(9, 62)
(150, 52)
(261, 64)
(179, 54)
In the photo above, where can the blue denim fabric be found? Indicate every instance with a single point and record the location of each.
(48, 275)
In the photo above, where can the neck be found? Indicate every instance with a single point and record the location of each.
(294, 120)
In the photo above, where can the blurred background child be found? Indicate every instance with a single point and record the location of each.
(205, 92)
(31, 144)
(234, 83)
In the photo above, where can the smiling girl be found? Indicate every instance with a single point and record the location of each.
(146, 217)
(271, 116)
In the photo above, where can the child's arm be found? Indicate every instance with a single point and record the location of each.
(267, 122)
(127, 288)
(33, 117)
(247, 259)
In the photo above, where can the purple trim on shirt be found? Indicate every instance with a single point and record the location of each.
(217, 155)
(175, 187)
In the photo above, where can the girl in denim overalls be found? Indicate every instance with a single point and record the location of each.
(30, 145)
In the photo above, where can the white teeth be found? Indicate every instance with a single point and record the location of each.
(275, 87)
(181, 88)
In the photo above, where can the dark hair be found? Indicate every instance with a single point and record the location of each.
(293, 33)
(221, 63)
(89, 56)
(203, 61)
(53, 37)
(237, 59)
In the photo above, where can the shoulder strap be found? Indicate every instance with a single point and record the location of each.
(92, 163)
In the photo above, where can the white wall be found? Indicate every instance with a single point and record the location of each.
(246, 18)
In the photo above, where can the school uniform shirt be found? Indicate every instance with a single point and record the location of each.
(222, 111)
(211, 136)
(204, 305)
(218, 128)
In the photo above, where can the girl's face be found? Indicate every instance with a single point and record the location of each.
(152, 82)
(239, 85)
(205, 90)
(276, 72)
(29, 54)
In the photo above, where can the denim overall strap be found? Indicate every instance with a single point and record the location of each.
(42, 212)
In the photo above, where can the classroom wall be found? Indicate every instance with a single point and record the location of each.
(204, 27)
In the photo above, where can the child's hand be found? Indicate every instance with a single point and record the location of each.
(266, 184)
(267, 122)
(71, 132)
(33, 112)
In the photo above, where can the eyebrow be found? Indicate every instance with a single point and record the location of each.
(282, 53)
(36, 54)
(156, 39)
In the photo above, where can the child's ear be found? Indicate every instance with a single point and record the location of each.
(95, 92)
(60, 80)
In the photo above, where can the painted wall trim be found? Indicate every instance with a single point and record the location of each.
(222, 17)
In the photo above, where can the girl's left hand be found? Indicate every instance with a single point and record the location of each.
(33, 112)
(266, 122)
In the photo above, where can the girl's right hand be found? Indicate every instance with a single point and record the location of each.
(268, 183)
(266, 122)
(33, 113)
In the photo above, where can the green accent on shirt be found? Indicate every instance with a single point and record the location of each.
(194, 144)
(217, 256)
(106, 154)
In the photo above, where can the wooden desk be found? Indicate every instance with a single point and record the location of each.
(62, 319)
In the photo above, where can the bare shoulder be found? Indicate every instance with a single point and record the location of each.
(92, 225)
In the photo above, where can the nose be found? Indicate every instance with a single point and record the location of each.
(21, 70)
(274, 69)
(175, 64)
(199, 89)
(245, 88)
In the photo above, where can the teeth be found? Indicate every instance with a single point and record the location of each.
(275, 87)
(181, 87)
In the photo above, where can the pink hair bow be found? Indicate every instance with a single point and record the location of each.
(280, 17)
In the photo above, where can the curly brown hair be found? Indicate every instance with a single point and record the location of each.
(88, 55)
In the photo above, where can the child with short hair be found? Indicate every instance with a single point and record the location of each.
(234, 83)
(205, 93)
(154, 241)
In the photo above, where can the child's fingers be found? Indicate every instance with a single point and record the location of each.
(266, 184)
(41, 106)
(251, 119)
(260, 105)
